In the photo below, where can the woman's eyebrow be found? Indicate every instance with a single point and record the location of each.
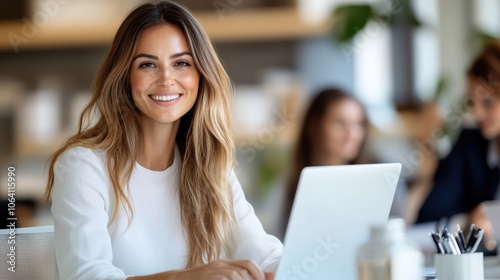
(154, 57)
(180, 54)
(150, 56)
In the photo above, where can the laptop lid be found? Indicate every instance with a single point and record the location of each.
(333, 210)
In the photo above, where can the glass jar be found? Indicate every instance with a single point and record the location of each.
(389, 254)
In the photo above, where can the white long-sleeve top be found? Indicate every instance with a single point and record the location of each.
(88, 246)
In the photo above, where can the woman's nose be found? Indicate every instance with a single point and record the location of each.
(166, 78)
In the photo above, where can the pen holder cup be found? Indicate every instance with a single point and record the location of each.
(459, 267)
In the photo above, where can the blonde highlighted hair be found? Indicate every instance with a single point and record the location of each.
(204, 137)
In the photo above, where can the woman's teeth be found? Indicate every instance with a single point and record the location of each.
(165, 97)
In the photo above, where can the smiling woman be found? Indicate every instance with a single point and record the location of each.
(164, 84)
(147, 191)
(162, 75)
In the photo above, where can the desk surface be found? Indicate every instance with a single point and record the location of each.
(492, 268)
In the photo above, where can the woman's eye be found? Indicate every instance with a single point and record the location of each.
(146, 65)
(182, 63)
(338, 124)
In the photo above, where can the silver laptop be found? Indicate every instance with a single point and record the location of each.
(333, 210)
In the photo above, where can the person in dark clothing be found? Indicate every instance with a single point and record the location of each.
(470, 175)
(462, 180)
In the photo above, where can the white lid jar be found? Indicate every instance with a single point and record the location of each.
(389, 254)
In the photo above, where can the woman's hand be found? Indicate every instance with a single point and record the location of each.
(269, 275)
(478, 217)
(221, 269)
(226, 269)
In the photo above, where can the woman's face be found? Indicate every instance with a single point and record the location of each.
(163, 77)
(343, 130)
(485, 105)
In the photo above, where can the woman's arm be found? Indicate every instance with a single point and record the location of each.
(253, 242)
(80, 205)
(221, 269)
(446, 197)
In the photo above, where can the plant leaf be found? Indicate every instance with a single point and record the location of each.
(349, 20)
(439, 90)
(485, 37)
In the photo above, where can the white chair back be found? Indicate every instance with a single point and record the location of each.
(32, 256)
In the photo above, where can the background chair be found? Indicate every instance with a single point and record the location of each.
(34, 253)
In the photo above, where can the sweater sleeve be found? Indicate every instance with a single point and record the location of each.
(80, 207)
(446, 197)
(253, 242)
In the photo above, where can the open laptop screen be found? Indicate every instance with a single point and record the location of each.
(333, 210)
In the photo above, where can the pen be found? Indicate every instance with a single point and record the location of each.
(454, 244)
(478, 237)
(470, 234)
(448, 246)
(461, 235)
(437, 241)
(472, 241)
(459, 243)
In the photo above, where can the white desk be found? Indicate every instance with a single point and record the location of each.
(492, 268)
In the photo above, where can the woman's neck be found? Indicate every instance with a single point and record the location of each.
(157, 147)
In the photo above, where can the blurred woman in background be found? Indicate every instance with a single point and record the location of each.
(334, 132)
(470, 175)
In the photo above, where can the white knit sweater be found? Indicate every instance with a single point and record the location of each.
(88, 247)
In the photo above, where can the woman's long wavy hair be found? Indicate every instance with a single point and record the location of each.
(111, 123)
